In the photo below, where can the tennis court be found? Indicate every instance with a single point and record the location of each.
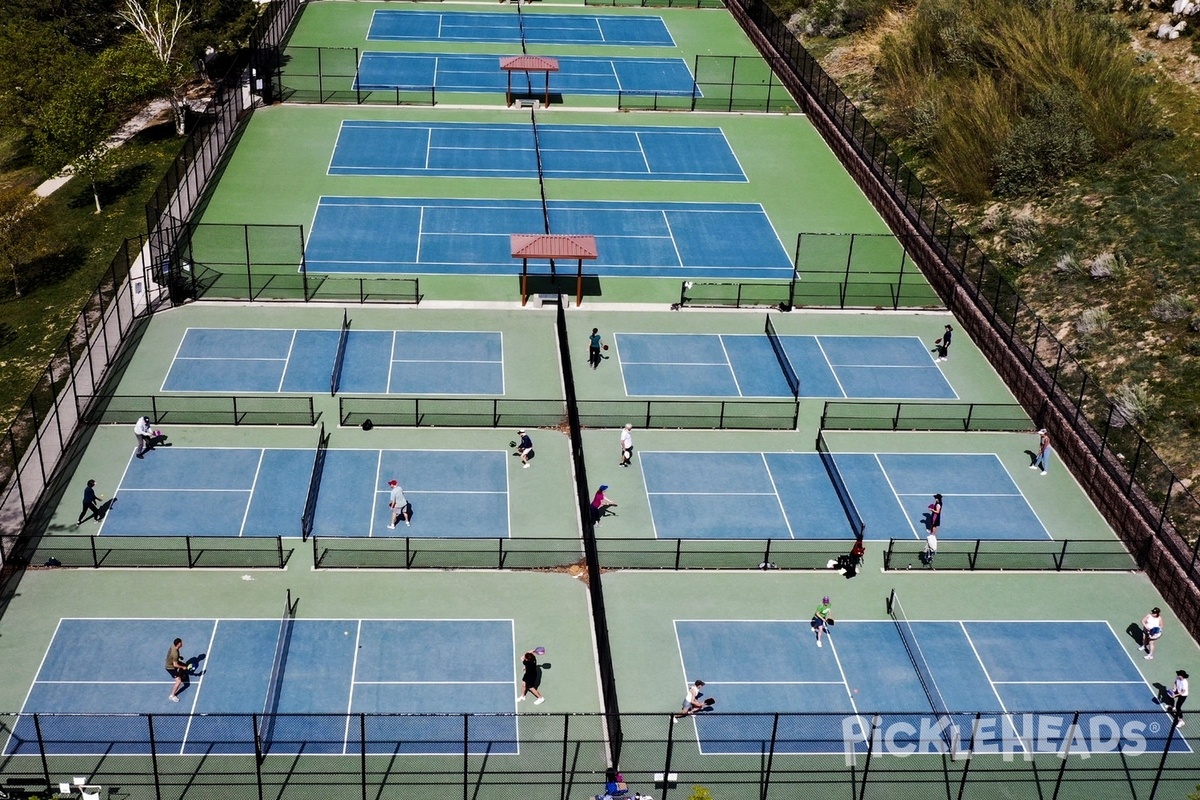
(457, 72)
(739, 365)
(471, 237)
(302, 668)
(510, 150)
(740, 495)
(240, 492)
(462, 26)
(916, 674)
(307, 361)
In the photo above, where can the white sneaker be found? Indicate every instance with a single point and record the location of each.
(1033, 466)
(674, 720)
(539, 701)
(519, 699)
(407, 523)
(819, 643)
(1043, 473)
(391, 527)
(524, 466)
(173, 699)
(1148, 657)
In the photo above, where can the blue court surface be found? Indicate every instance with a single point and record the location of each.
(456, 72)
(330, 667)
(262, 492)
(721, 495)
(228, 360)
(491, 26)
(1019, 674)
(741, 365)
(471, 237)
(508, 150)
(454, 493)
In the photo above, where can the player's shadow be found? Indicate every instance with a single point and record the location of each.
(103, 510)
(193, 663)
(1032, 457)
(1160, 693)
(1134, 631)
(927, 520)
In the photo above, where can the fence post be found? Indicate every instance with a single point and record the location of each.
(666, 784)
(154, 756)
(876, 721)
(362, 738)
(37, 727)
(466, 778)
(562, 786)
(1162, 762)
(764, 780)
(1065, 754)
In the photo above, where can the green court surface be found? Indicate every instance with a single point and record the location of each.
(276, 175)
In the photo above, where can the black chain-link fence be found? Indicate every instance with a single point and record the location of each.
(1136, 754)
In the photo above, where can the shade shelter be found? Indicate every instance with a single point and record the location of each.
(552, 246)
(527, 64)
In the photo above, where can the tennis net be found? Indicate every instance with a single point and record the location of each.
(924, 673)
(335, 377)
(266, 723)
(314, 485)
(839, 485)
(521, 24)
(789, 374)
(537, 149)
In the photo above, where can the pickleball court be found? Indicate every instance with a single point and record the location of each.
(915, 675)
(311, 672)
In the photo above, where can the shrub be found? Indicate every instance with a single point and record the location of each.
(1048, 142)
(1023, 226)
(1020, 93)
(1172, 308)
(1067, 263)
(1093, 321)
(1105, 266)
(1131, 403)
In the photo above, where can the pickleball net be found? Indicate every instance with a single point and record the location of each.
(339, 357)
(839, 486)
(924, 672)
(314, 485)
(789, 374)
(266, 722)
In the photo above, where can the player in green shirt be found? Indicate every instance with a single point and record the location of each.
(820, 618)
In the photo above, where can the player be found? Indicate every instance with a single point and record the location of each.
(177, 668)
(524, 448)
(1152, 628)
(822, 617)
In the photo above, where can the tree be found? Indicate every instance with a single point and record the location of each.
(72, 130)
(159, 24)
(37, 62)
(20, 222)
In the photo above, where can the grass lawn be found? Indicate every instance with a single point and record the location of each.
(77, 247)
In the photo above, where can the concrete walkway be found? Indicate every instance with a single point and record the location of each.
(143, 119)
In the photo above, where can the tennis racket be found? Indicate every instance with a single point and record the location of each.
(829, 622)
(512, 444)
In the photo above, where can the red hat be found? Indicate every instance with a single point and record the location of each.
(391, 483)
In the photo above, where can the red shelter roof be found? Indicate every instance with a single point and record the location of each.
(529, 63)
(552, 245)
